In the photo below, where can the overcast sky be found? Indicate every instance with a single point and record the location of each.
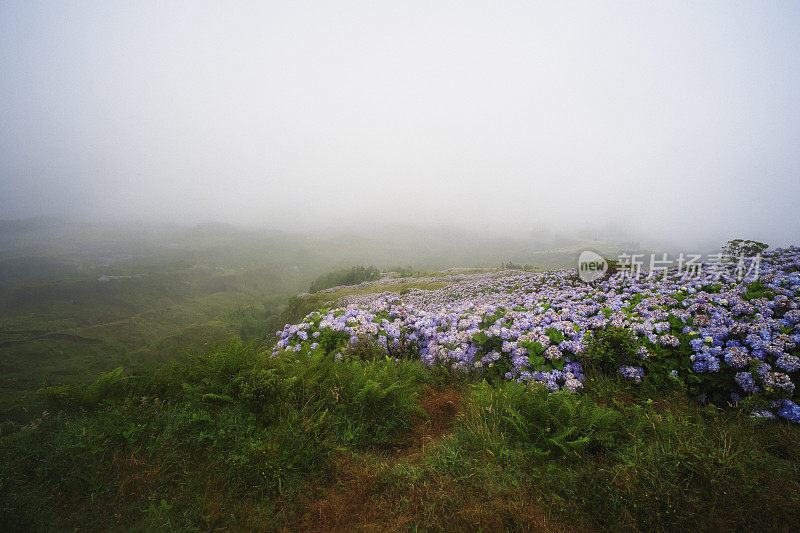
(674, 120)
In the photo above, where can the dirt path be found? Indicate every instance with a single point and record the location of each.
(440, 406)
(344, 504)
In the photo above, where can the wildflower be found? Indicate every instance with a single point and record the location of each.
(747, 382)
(777, 381)
(633, 373)
(789, 363)
(789, 410)
(726, 331)
(737, 357)
(552, 353)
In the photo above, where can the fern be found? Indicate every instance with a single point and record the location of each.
(540, 422)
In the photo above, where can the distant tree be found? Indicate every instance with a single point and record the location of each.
(348, 276)
(403, 271)
(742, 247)
(516, 266)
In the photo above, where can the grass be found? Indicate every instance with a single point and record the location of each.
(642, 463)
(143, 450)
(197, 435)
(74, 330)
(231, 438)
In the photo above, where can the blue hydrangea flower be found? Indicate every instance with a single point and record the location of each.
(633, 373)
(789, 410)
(747, 382)
(787, 362)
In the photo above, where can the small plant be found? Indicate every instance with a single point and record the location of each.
(609, 349)
(70, 397)
(366, 350)
(539, 422)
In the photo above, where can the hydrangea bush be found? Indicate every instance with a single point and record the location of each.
(725, 338)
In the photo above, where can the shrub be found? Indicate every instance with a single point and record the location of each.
(539, 422)
(72, 397)
(610, 348)
(743, 247)
(348, 276)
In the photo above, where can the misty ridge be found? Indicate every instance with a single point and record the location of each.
(40, 248)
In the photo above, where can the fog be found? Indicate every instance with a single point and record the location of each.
(660, 122)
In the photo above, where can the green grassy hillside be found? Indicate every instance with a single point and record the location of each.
(235, 439)
(71, 330)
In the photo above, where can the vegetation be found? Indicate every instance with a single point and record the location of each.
(516, 266)
(348, 276)
(155, 424)
(736, 248)
(234, 438)
(618, 457)
(159, 449)
(403, 271)
(75, 329)
(609, 349)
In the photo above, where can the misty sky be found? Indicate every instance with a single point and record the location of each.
(673, 120)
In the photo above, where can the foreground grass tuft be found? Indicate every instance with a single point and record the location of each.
(233, 425)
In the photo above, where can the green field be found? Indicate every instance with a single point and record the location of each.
(141, 395)
(67, 330)
(235, 439)
(167, 290)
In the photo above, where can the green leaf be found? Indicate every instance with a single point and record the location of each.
(480, 338)
(556, 336)
(536, 361)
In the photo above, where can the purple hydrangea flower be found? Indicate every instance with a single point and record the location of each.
(633, 373)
